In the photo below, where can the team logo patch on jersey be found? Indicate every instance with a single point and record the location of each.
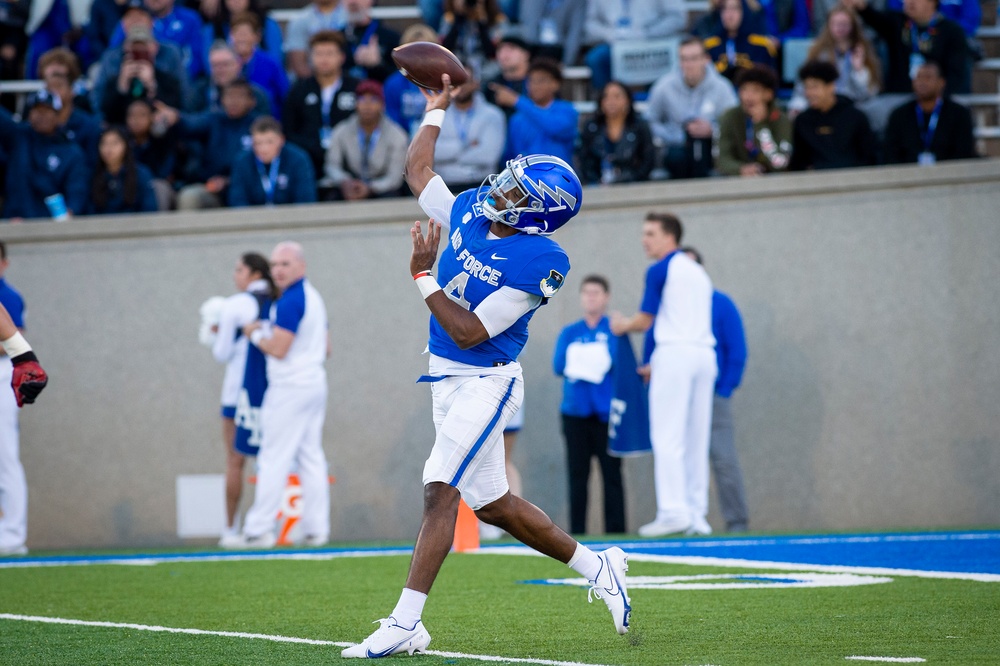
(551, 284)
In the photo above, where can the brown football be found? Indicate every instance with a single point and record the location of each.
(425, 62)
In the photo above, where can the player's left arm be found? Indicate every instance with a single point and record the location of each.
(464, 327)
(29, 378)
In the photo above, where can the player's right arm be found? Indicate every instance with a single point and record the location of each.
(420, 155)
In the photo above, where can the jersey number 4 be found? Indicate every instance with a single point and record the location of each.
(456, 289)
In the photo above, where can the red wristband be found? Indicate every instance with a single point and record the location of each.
(422, 274)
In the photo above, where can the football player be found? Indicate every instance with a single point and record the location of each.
(498, 266)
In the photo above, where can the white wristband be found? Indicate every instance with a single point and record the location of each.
(256, 336)
(16, 345)
(434, 118)
(427, 285)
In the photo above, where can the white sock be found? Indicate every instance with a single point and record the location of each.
(409, 608)
(585, 562)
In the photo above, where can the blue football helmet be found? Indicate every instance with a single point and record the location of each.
(537, 194)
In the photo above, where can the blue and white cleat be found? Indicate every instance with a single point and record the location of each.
(390, 639)
(610, 586)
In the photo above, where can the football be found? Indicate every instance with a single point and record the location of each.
(425, 62)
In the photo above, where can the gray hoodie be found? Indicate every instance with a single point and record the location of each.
(672, 103)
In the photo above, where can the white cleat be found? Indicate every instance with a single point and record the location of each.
(243, 541)
(610, 586)
(390, 639)
(659, 528)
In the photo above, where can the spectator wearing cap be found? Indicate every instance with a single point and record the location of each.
(514, 59)
(42, 162)
(179, 26)
(367, 152)
(225, 134)
(273, 172)
(258, 65)
(831, 133)
(755, 137)
(636, 20)
(403, 100)
(166, 57)
(541, 123)
(224, 67)
(59, 69)
(369, 43)
(318, 103)
(136, 71)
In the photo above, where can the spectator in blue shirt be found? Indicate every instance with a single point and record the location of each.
(176, 25)
(583, 357)
(224, 135)
(273, 172)
(541, 123)
(42, 162)
(259, 67)
(271, 37)
(120, 184)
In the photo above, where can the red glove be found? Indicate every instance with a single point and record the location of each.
(29, 379)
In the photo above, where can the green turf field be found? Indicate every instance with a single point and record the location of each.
(478, 608)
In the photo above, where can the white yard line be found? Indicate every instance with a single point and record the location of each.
(271, 637)
(895, 660)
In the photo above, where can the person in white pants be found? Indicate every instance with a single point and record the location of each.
(296, 345)
(19, 369)
(677, 303)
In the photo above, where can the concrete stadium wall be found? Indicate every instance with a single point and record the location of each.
(869, 400)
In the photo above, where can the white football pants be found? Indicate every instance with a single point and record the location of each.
(680, 423)
(13, 486)
(291, 434)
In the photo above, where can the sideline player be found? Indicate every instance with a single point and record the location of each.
(252, 277)
(296, 345)
(677, 303)
(27, 379)
(496, 269)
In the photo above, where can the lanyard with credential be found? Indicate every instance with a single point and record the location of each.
(751, 143)
(268, 180)
(920, 40)
(928, 135)
(367, 144)
(462, 121)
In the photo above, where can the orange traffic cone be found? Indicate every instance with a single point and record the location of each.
(466, 529)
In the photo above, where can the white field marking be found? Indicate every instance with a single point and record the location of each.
(272, 637)
(695, 560)
(702, 542)
(898, 660)
(175, 558)
(739, 581)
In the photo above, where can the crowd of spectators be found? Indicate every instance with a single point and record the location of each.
(191, 104)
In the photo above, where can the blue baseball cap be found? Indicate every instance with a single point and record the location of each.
(44, 98)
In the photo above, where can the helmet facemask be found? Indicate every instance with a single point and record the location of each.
(513, 194)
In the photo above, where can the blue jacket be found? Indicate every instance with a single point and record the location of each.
(39, 166)
(224, 139)
(534, 130)
(268, 73)
(730, 344)
(404, 102)
(581, 398)
(84, 129)
(145, 197)
(294, 182)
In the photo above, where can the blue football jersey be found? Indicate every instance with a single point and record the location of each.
(251, 396)
(473, 266)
